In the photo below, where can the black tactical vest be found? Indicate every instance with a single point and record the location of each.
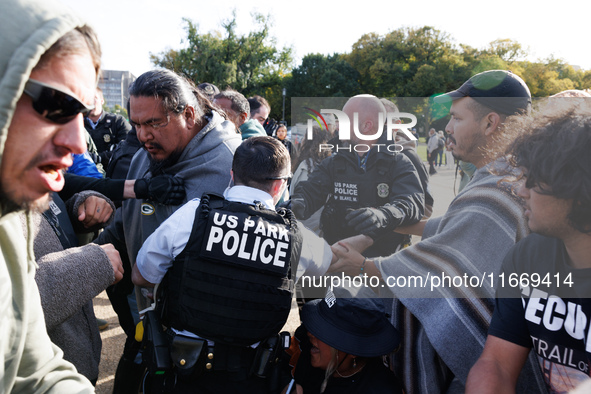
(353, 188)
(233, 283)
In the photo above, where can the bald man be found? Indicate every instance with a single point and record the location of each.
(365, 187)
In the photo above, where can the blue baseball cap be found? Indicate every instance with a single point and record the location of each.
(351, 323)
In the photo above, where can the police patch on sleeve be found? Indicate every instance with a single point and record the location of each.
(250, 241)
(383, 190)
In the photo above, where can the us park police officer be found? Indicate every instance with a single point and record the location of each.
(228, 266)
(365, 188)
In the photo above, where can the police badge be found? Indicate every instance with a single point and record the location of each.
(383, 190)
(107, 138)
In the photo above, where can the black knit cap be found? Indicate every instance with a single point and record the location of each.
(500, 90)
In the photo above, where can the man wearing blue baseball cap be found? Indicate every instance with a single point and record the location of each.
(445, 326)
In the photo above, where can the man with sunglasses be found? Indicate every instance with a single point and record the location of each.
(232, 263)
(49, 61)
(182, 135)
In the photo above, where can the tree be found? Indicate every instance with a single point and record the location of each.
(117, 109)
(248, 63)
(489, 62)
(365, 51)
(407, 62)
(543, 79)
(323, 76)
(507, 50)
(586, 80)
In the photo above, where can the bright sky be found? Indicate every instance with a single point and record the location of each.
(130, 29)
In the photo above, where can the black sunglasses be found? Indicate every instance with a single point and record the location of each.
(53, 104)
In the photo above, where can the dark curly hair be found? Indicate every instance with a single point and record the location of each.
(554, 148)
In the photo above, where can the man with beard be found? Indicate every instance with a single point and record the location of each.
(181, 135)
(48, 72)
(444, 327)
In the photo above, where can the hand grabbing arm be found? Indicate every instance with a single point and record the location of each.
(351, 261)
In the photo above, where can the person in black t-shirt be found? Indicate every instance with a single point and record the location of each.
(544, 291)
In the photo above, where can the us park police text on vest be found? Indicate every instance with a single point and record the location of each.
(247, 240)
(392, 121)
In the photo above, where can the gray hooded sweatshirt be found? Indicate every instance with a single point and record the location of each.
(204, 165)
(29, 363)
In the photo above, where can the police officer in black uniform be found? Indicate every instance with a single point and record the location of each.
(105, 129)
(229, 279)
(368, 187)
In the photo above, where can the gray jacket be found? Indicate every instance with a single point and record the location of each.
(68, 280)
(29, 362)
(204, 165)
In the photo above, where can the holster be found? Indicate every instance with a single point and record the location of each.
(188, 356)
(155, 343)
(269, 353)
(156, 355)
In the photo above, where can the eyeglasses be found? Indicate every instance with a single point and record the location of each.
(275, 178)
(53, 104)
(153, 124)
(156, 124)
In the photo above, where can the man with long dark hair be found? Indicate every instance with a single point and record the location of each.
(181, 135)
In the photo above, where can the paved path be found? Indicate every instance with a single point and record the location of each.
(442, 188)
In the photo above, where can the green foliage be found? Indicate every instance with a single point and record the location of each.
(544, 79)
(117, 109)
(323, 76)
(507, 50)
(407, 62)
(489, 62)
(248, 63)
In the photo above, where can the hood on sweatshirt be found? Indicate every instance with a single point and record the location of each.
(27, 29)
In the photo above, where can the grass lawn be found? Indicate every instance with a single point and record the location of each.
(422, 149)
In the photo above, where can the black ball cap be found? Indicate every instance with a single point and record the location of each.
(500, 90)
(208, 89)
